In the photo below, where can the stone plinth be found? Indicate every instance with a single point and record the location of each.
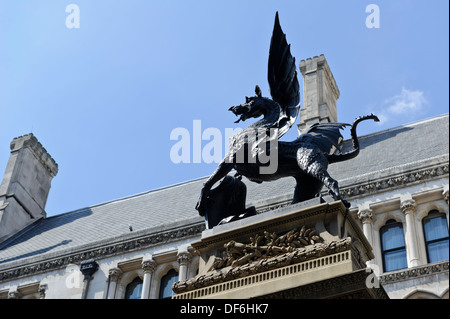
(281, 250)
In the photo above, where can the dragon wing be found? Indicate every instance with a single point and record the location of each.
(327, 135)
(282, 76)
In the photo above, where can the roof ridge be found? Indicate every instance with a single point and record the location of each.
(398, 127)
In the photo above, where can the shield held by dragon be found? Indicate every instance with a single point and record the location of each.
(306, 158)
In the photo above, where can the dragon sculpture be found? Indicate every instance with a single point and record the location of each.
(306, 158)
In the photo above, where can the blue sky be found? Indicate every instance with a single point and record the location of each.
(103, 98)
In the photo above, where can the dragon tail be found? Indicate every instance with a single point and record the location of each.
(334, 158)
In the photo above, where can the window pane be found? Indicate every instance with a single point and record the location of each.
(134, 289)
(167, 281)
(395, 260)
(392, 237)
(438, 251)
(435, 228)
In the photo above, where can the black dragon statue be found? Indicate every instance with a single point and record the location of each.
(306, 158)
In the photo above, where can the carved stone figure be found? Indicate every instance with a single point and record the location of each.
(269, 245)
(253, 262)
(306, 158)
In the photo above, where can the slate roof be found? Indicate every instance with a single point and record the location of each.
(148, 212)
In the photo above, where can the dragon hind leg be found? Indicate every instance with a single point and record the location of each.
(317, 169)
(333, 188)
(307, 187)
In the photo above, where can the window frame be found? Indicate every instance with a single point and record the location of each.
(162, 287)
(136, 281)
(431, 215)
(391, 223)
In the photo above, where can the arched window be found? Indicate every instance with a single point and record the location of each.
(436, 236)
(393, 246)
(165, 289)
(134, 289)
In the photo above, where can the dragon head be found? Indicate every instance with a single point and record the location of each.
(254, 106)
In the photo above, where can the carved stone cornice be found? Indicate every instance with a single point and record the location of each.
(416, 272)
(378, 185)
(391, 182)
(121, 247)
(408, 206)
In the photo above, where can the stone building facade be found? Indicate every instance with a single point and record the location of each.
(136, 247)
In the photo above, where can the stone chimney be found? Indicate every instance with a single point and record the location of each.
(320, 93)
(25, 185)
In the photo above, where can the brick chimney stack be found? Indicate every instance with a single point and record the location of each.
(25, 185)
(320, 93)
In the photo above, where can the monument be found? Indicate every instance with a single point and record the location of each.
(257, 153)
(310, 249)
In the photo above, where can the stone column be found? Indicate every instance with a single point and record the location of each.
(149, 267)
(183, 259)
(366, 217)
(114, 275)
(408, 208)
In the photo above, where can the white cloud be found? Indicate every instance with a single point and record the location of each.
(408, 104)
(407, 101)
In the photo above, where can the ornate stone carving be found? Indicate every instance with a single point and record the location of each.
(409, 273)
(114, 274)
(183, 258)
(412, 177)
(365, 215)
(267, 245)
(149, 266)
(408, 206)
(296, 255)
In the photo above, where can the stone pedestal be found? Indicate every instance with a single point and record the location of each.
(298, 251)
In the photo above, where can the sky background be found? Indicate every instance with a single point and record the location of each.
(104, 98)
